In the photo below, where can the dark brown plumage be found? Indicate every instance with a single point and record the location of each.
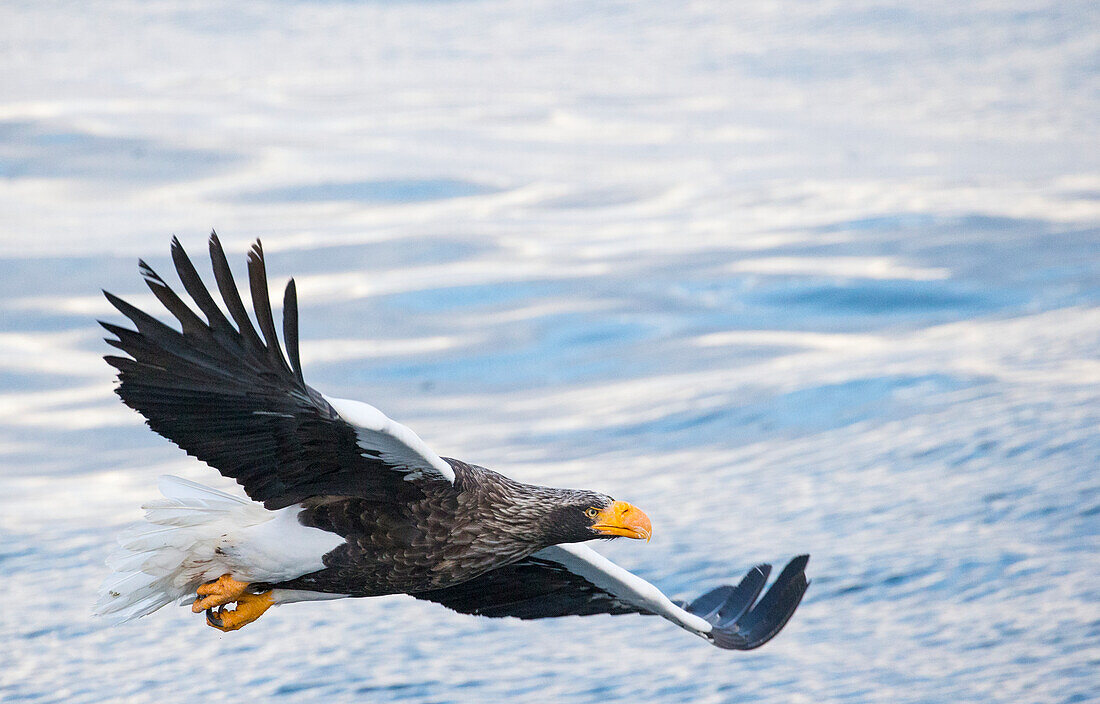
(450, 535)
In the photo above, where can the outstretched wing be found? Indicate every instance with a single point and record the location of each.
(231, 398)
(574, 580)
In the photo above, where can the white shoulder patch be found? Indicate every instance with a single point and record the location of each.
(396, 444)
(605, 574)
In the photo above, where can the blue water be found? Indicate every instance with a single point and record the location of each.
(791, 280)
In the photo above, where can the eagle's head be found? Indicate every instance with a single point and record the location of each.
(585, 515)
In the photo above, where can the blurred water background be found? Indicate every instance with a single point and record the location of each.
(791, 277)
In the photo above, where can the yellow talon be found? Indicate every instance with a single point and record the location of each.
(220, 592)
(249, 608)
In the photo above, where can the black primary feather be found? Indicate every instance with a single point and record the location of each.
(234, 402)
(228, 289)
(290, 328)
(219, 324)
(261, 305)
(749, 626)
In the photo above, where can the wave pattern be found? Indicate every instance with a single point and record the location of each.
(828, 277)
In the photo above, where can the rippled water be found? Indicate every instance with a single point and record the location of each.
(791, 279)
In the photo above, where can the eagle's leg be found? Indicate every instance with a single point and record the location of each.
(219, 592)
(249, 608)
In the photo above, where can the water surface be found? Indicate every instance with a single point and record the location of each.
(791, 279)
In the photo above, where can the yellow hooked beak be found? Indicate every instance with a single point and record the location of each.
(623, 519)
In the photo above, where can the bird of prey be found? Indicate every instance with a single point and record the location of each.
(348, 503)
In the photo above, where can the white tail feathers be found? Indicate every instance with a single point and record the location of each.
(188, 539)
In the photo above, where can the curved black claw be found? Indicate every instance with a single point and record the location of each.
(737, 623)
(213, 619)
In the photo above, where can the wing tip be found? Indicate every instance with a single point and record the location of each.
(256, 254)
(748, 625)
(151, 277)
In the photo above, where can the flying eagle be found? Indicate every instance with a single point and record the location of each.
(348, 503)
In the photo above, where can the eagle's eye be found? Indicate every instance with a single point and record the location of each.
(591, 512)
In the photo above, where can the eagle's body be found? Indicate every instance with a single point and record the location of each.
(450, 534)
(344, 502)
